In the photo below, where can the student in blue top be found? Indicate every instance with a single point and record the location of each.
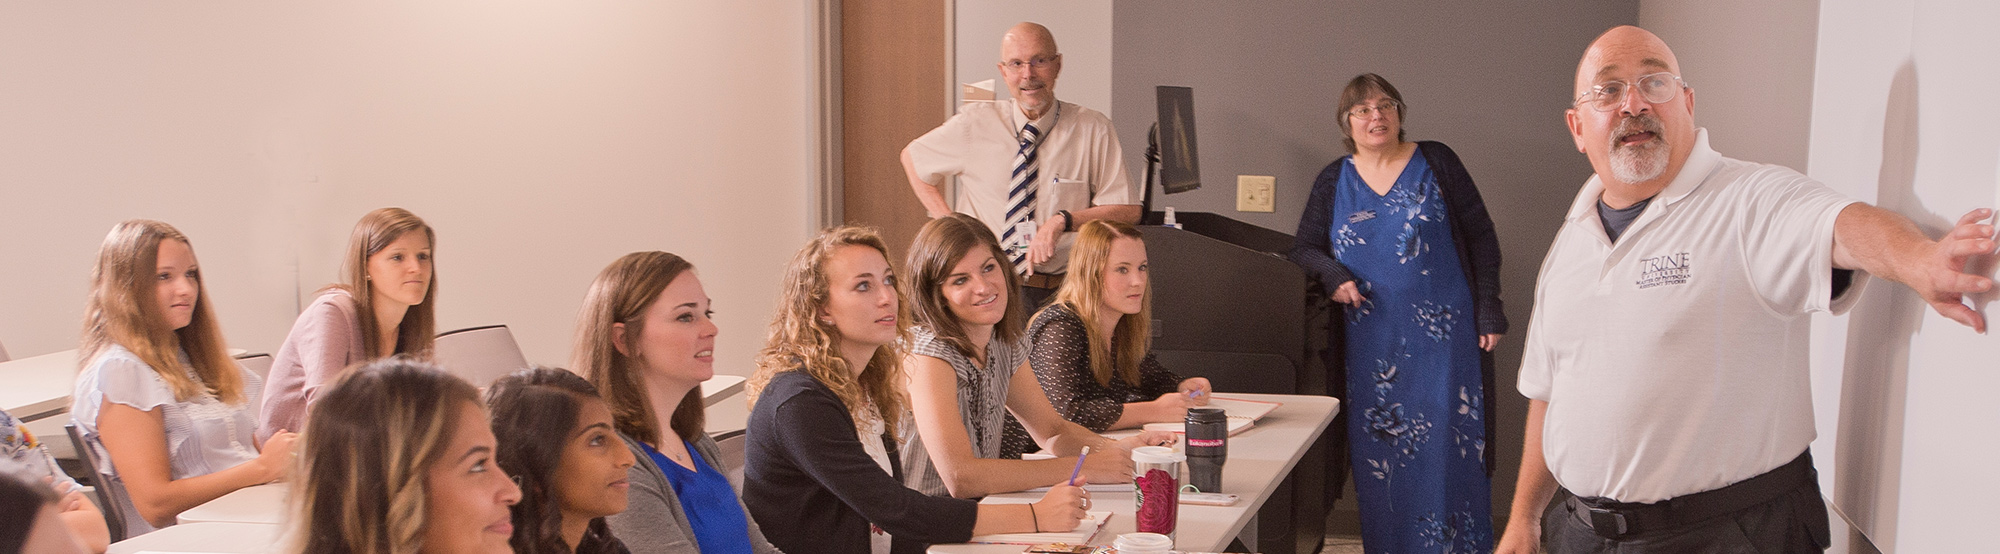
(644, 338)
(557, 440)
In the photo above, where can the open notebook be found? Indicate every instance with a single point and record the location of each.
(1243, 414)
(1085, 530)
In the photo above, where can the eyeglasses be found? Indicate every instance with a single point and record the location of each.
(1364, 111)
(1037, 63)
(1656, 88)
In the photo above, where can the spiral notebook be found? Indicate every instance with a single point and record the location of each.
(1085, 530)
(1243, 414)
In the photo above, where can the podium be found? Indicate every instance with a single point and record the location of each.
(1228, 305)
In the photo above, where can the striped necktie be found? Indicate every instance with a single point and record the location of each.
(1021, 198)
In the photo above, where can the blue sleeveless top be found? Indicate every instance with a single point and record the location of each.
(709, 502)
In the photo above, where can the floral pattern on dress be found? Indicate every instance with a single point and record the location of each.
(1435, 319)
(1414, 370)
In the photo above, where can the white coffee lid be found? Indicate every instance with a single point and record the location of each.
(1143, 542)
(1156, 455)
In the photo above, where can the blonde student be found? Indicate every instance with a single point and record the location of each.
(171, 415)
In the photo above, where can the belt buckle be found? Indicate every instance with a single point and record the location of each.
(1607, 523)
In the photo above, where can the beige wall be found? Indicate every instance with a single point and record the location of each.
(542, 140)
(1082, 29)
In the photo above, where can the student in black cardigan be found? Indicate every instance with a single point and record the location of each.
(824, 382)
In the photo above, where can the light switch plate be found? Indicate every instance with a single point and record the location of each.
(1254, 193)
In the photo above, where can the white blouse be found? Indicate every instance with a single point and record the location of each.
(204, 435)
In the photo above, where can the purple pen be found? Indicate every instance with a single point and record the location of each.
(1079, 466)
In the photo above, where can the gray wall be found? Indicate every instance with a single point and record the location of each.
(1491, 79)
(1751, 66)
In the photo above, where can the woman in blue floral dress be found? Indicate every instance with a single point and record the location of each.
(1398, 235)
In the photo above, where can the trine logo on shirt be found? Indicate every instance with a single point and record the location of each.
(1671, 269)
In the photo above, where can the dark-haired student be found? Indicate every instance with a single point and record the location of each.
(967, 369)
(35, 522)
(22, 456)
(171, 415)
(646, 340)
(400, 459)
(557, 440)
(383, 306)
(822, 472)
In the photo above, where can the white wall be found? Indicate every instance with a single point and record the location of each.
(541, 140)
(1903, 117)
(1900, 116)
(1083, 34)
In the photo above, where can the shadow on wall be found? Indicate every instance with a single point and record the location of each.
(1874, 386)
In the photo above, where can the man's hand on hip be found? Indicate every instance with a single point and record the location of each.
(1043, 246)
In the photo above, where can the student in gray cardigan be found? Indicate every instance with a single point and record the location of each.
(654, 520)
(646, 340)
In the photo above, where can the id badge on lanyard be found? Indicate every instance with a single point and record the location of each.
(1024, 233)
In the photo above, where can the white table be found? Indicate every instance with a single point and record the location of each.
(1259, 460)
(39, 386)
(226, 538)
(719, 388)
(259, 504)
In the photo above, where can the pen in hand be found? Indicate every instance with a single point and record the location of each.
(1079, 466)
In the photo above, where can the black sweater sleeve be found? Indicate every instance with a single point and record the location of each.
(1473, 228)
(809, 464)
(1310, 247)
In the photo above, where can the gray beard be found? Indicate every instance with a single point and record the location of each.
(1640, 162)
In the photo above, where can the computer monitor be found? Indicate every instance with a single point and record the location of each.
(1179, 167)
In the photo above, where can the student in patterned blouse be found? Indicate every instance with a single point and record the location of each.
(822, 473)
(1093, 345)
(967, 372)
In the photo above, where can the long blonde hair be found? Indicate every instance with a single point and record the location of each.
(375, 231)
(799, 341)
(124, 310)
(373, 436)
(622, 293)
(1083, 292)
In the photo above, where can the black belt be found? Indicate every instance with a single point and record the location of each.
(1614, 520)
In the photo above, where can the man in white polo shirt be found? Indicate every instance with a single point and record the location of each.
(1032, 168)
(1666, 360)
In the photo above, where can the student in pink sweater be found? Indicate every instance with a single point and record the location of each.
(388, 263)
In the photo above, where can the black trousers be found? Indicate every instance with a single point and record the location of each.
(1795, 522)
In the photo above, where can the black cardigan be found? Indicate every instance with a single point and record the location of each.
(1471, 230)
(813, 489)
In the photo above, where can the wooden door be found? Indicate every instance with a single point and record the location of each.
(893, 89)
